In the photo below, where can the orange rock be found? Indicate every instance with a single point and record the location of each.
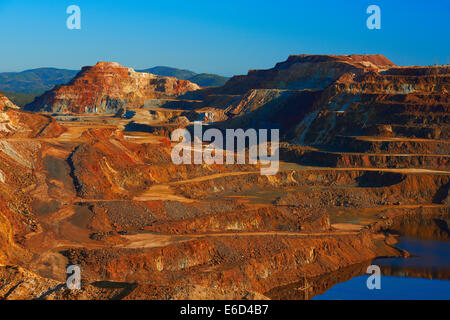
(19, 124)
(108, 87)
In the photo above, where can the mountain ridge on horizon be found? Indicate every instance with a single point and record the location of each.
(360, 147)
(38, 80)
(22, 87)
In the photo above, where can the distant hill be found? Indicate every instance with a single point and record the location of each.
(20, 87)
(170, 72)
(108, 87)
(203, 79)
(20, 99)
(208, 80)
(34, 81)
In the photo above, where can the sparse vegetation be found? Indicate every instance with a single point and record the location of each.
(34, 81)
(202, 79)
(20, 99)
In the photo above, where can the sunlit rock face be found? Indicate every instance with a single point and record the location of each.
(19, 124)
(107, 87)
(5, 103)
(400, 102)
(364, 150)
(299, 72)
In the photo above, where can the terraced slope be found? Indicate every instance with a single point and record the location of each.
(107, 88)
(364, 158)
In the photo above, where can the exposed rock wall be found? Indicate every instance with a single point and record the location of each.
(233, 263)
(300, 72)
(108, 87)
(20, 124)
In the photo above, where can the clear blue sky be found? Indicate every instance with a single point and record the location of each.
(224, 37)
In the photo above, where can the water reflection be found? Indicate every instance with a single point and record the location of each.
(425, 275)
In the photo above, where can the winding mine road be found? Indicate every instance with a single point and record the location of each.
(152, 240)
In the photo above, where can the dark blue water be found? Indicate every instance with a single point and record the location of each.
(422, 277)
(392, 288)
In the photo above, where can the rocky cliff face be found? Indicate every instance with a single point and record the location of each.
(301, 72)
(5, 103)
(347, 105)
(406, 103)
(19, 124)
(365, 152)
(108, 87)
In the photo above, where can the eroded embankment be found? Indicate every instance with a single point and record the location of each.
(234, 263)
(425, 223)
(368, 187)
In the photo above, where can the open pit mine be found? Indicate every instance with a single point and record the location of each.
(86, 179)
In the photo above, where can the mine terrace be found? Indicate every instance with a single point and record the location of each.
(87, 179)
